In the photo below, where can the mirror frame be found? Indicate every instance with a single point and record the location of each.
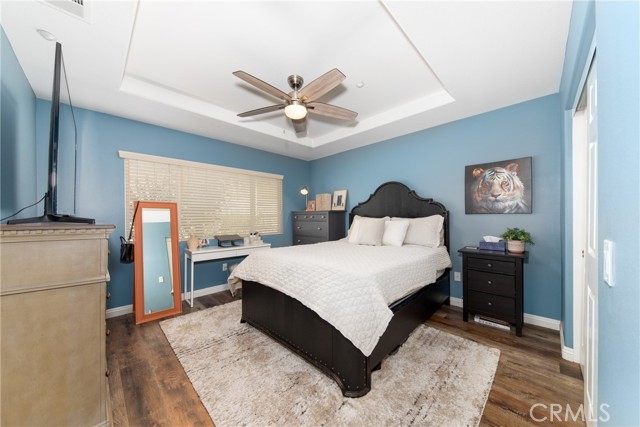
(138, 301)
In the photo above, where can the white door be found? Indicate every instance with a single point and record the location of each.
(590, 324)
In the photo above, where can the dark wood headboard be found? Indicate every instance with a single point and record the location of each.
(396, 199)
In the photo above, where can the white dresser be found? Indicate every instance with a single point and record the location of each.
(52, 324)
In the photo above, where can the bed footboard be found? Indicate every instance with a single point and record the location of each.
(301, 330)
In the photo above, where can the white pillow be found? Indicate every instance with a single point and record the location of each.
(394, 232)
(353, 230)
(427, 231)
(368, 231)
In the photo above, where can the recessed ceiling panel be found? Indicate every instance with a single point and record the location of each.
(192, 48)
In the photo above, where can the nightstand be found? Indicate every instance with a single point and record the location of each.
(492, 285)
(317, 226)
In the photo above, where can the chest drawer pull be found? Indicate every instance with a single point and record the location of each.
(489, 304)
(319, 228)
(489, 265)
(489, 282)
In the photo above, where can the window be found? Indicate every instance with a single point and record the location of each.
(211, 199)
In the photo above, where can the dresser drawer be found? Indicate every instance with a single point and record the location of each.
(486, 264)
(305, 240)
(310, 217)
(488, 304)
(310, 229)
(492, 283)
(317, 226)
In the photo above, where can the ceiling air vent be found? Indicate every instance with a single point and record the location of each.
(73, 7)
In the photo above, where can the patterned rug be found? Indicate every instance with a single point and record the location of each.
(244, 378)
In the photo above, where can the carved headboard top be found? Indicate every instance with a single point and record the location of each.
(396, 199)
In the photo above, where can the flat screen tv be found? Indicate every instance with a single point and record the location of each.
(51, 196)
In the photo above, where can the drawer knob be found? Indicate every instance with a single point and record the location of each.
(108, 295)
(319, 228)
(298, 241)
(489, 265)
(299, 228)
(488, 282)
(108, 332)
(489, 304)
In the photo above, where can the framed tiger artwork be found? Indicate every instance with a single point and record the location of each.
(502, 187)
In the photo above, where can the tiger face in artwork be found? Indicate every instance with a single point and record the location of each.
(498, 190)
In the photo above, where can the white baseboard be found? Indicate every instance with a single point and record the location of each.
(529, 319)
(456, 302)
(567, 352)
(127, 309)
(119, 311)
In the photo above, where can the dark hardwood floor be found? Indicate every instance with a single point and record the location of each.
(148, 386)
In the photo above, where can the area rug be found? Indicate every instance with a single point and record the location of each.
(244, 378)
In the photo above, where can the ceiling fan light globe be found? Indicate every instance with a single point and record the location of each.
(295, 111)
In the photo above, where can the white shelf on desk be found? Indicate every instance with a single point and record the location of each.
(213, 253)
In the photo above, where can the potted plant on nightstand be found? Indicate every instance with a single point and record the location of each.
(516, 238)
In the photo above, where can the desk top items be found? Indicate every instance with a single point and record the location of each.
(228, 240)
(193, 242)
(255, 239)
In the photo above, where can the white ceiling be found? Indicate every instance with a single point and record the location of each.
(169, 63)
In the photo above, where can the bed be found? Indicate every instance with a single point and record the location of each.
(302, 330)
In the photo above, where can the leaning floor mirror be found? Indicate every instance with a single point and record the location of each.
(157, 263)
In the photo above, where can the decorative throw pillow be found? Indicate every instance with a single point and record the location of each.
(395, 232)
(427, 231)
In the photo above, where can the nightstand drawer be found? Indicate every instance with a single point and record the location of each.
(492, 283)
(310, 228)
(488, 304)
(491, 265)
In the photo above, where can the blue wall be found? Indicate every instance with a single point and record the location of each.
(100, 189)
(618, 59)
(433, 161)
(17, 136)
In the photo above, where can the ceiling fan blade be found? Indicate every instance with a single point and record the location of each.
(264, 86)
(300, 126)
(321, 85)
(262, 110)
(331, 111)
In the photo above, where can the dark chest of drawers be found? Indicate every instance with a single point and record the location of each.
(317, 226)
(492, 285)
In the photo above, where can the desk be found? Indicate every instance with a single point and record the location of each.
(215, 252)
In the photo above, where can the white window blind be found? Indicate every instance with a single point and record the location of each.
(211, 199)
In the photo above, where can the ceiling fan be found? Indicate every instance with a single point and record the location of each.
(301, 100)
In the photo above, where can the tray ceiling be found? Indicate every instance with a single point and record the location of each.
(409, 65)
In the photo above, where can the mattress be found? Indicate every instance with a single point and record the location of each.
(350, 286)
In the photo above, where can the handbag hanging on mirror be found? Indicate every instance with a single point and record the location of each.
(126, 246)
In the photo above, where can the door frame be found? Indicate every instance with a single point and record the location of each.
(579, 200)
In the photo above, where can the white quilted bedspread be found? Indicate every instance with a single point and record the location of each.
(349, 286)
